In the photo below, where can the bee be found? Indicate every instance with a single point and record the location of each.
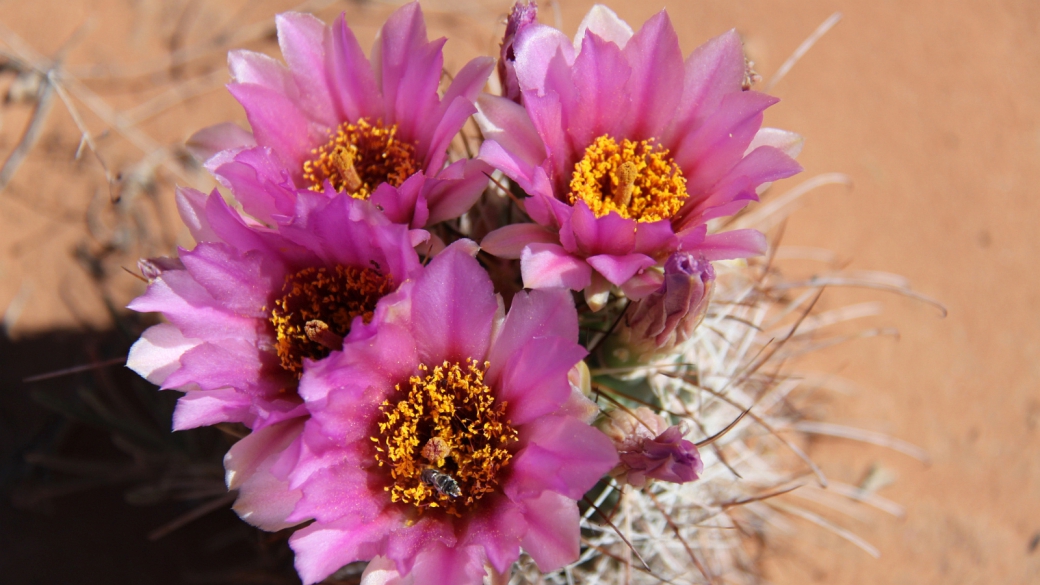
(442, 482)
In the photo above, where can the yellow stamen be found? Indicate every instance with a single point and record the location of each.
(447, 419)
(637, 180)
(359, 157)
(317, 306)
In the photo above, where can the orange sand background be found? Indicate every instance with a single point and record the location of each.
(933, 109)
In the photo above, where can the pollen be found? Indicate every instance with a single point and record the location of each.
(446, 419)
(359, 157)
(317, 307)
(636, 180)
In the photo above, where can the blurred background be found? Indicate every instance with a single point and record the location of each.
(932, 109)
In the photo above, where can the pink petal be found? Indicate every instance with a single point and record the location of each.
(301, 39)
(157, 353)
(610, 234)
(715, 69)
(534, 379)
(224, 136)
(201, 408)
(733, 244)
(455, 115)
(263, 500)
(321, 549)
(191, 308)
(562, 454)
(509, 241)
(618, 269)
(518, 148)
(233, 363)
(410, 72)
(787, 142)
(352, 81)
(339, 489)
(533, 315)
(455, 189)
(603, 105)
(453, 305)
(403, 204)
(191, 205)
(605, 23)
(259, 69)
(536, 47)
(498, 531)
(260, 183)
(553, 538)
(657, 77)
(277, 122)
(456, 565)
(241, 281)
(550, 266)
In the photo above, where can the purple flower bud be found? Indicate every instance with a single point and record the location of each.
(667, 457)
(667, 317)
(523, 14)
(650, 449)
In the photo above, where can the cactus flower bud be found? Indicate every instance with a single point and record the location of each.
(523, 14)
(651, 449)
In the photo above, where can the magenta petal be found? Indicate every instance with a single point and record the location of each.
(277, 122)
(301, 39)
(403, 204)
(733, 244)
(454, 190)
(259, 69)
(534, 379)
(657, 77)
(600, 76)
(321, 549)
(553, 537)
(653, 237)
(233, 363)
(509, 241)
(715, 69)
(239, 280)
(498, 531)
(410, 72)
(458, 111)
(511, 142)
(610, 234)
(534, 314)
(550, 266)
(447, 564)
(562, 454)
(158, 352)
(200, 408)
(210, 140)
(705, 155)
(191, 308)
(350, 75)
(547, 115)
(191, 205)
(258, 180)
(264, 500)
(453, 305)
(338, 490)
(536, 46)
(618, 269)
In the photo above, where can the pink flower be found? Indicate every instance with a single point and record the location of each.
(627, 151)
(449, 439)
(375, 128)
(249, 308)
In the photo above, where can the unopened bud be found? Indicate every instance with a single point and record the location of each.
(522, 15)
(664, 320)
(651, 449)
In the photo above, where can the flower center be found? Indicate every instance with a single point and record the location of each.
(359, 157)
(446, 441)
(317, 306)
(637, 180)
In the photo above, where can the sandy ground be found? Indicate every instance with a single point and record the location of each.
(930, 107)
